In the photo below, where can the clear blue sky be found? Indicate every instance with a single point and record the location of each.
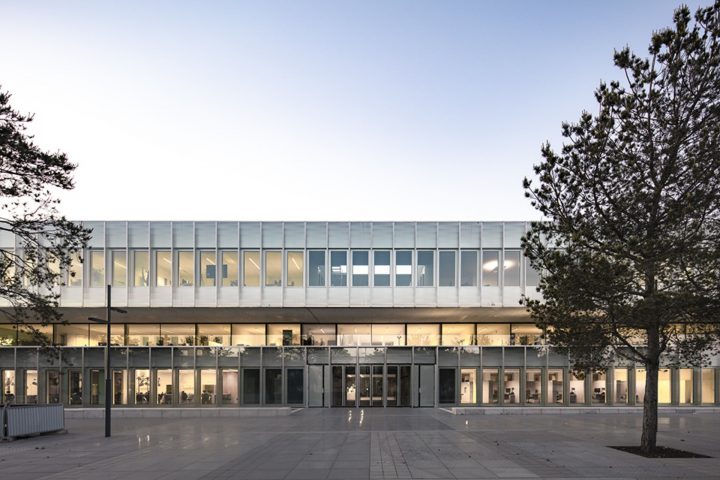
(306, 110)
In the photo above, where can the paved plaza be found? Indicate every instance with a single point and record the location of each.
(364, 443)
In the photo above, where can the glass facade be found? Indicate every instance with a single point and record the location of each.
(421, 335)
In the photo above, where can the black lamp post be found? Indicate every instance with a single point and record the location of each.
(108, 386)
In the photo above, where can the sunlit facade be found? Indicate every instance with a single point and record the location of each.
(316, 314)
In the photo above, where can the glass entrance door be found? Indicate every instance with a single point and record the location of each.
(377, 386)
(364, 382)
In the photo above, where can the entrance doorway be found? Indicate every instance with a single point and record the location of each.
(371, 386)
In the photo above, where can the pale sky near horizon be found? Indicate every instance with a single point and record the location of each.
(309, 110)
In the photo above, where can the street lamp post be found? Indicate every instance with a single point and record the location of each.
(108, 381)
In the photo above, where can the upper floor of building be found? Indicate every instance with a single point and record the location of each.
(298, 264)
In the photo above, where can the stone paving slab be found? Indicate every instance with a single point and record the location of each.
(364, 444)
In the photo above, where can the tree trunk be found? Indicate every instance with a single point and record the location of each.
(648, 440)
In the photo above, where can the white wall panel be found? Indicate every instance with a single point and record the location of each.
(138, 234)
(425, 297)
(491, 297)
(272, 234)
(205, 236)
(338, 235)
(272, 297)
(228, 297)
(469, 296)
(426, 236)
(511, 296)
(138, 297)
(447, 297)
(404, 297)
(295, 235)
(338, 296)
(316, 297)
(119, 296)
(250, 296)
(228, 235)
(183, 297)
(360, 297)
(250, 235)
(206, 297)
(116, 234)
(294, 297)
(316, 235)
(94, 297)
(161, 297)
(71, 297)
(404, 235)
(360, 235)
(381, 297)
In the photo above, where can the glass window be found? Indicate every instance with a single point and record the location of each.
(207, 387)
(511, 385)
(319, 334)
(178, 334)
(283, 334)
(455, 334)
(143, 335)
(119, 268)
(511, 266)
(381, 269)
(525, 334)
(208, 268)
(75, 272)
(97, 268)
(251, 269)
(708, 386)
(295, 387)
(316, 270)
(577, 388)
(273, 386)
(72, 335)
(469, 268)
(424, 270)
(142, 387)
(273, 269)
(31, 386)
(598, 388)
(230, 269)
(8, 386)
(186, 268)
(354, 334)
(164, 387)
(447, 269)
(489, 334)
(230, 387)
(423, 334)
(490, 386)
(295, 269)
(141, 268)
(99, 332)
(533, 385)
(621, 385)
(664, 386)
(640, 376)
(384, 334)
(490, 267)
(251, 386)
(555, 386)
(403, 268)
(532, 276)
(187, 386)
(685, 377)
(35, 334)
(360, 268)
(213, 335)
(338, 269)
(53, 386)
(119, 382)
(468, 385)
(249, 335)
(163, 268)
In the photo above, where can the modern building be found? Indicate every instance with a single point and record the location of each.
(316, 314)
